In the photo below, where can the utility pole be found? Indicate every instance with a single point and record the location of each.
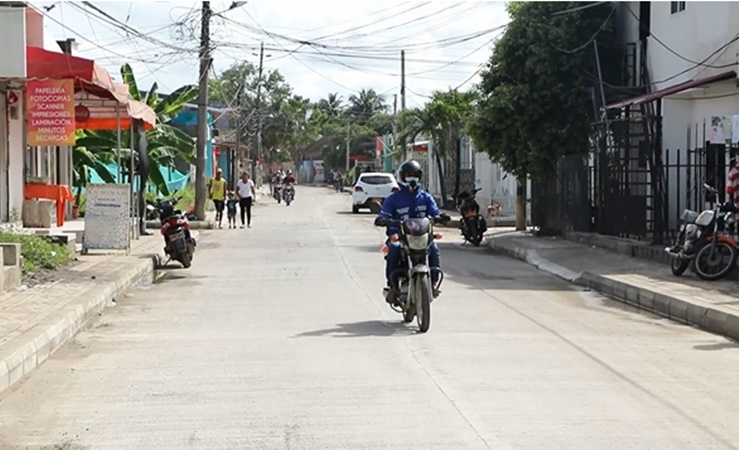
(395, 126)
(402, 95)
(348, 144)
(259, 111)
(205, 61)
(237, 151)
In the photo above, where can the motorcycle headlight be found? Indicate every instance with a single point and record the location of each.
(418, 242)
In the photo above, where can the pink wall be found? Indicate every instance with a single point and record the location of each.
(34, 28)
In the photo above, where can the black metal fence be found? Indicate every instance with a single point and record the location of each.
(628, 196)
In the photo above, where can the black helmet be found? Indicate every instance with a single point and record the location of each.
(412, 170)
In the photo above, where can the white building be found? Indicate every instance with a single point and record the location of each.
(19, 27)
(691, 59)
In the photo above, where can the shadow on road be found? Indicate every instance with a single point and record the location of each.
(480, 268)
(375, 328)
(717, 346)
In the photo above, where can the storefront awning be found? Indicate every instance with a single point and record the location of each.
(96, 84)
(680, 87)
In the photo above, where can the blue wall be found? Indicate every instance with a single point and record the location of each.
(189, 117)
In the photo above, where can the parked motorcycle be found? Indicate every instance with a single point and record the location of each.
(288, 194)
(695, 229)
(413, 279)
(472, 223)
(178, 242)
(277, 193)
(720, 250)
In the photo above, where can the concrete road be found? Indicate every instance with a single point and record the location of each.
(278, 338)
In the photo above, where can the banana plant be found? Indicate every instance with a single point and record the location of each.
(165, 141)
(84, 162)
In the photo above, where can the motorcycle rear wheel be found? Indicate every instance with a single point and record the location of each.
(679, 265)
(705, 253)
(409, 314)
(185, 260)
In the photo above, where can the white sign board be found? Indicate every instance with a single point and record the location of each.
(107, 221)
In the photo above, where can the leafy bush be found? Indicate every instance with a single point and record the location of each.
(37, 252)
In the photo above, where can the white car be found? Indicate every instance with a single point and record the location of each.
(371, 189)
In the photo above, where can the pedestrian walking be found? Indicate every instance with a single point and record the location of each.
(217, 193)
(245, 192)
(231, 208)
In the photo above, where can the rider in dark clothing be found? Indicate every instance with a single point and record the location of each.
(289, 178)
(409, 203)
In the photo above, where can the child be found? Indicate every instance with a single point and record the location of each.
(231, 207)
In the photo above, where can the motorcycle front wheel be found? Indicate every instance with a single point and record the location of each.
(706, 257)
(423, 303)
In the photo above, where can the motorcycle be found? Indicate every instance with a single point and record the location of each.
(412, 280)
(694, 232)
(288, 194)
(277, 193)
(339, 184)
(179, 243)
(722, 224)
(472, 223)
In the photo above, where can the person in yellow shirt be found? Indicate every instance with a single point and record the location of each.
(217, 193)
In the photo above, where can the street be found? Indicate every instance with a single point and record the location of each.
(278, 338)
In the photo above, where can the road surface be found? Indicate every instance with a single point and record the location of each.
(278, 338)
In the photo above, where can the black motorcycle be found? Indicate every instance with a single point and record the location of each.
(178, 241)
(472, 223)
(288, 194)
(412, 281)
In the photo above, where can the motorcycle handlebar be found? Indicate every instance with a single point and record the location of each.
(382, 222)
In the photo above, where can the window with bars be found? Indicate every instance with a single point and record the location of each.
(676, 7)
(467, 155)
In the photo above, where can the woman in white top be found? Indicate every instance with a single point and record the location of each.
(245, 192)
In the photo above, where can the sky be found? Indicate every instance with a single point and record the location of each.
(321, 47)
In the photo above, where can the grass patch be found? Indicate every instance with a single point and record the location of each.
(37, 252)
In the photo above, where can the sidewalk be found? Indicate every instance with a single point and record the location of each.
(36, 322)
(713, 307)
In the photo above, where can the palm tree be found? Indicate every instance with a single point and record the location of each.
(332, 105)
(165, 142)
(366, 104)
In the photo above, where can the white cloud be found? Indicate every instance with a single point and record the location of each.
(427, 66)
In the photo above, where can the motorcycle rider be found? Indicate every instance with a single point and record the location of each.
(410, 202)
(289, 180)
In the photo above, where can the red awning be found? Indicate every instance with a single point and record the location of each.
(89, 78)
(684, 86)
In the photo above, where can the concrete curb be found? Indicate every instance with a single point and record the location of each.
(711, 318)
(45, 338)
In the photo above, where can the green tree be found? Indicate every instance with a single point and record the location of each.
(165, 142)
(442, 120)
(271, 102)
(534, 105)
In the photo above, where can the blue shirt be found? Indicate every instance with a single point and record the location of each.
(405, 204)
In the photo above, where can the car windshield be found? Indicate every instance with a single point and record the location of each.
(376, 179)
